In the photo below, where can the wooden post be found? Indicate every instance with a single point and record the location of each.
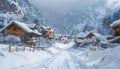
(23, 48)
(33, 48)
(39, 42)
(29, 48)
(16, 49)
(9, 48)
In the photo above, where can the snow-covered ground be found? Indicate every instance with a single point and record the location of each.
(61, 56)
(13, 60)
(99, 59)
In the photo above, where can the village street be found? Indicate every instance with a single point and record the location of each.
(62, 59)
(60, 56)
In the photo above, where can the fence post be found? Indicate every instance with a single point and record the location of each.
(23, 48)
(16, 49)
(33, 48)
(9, 48)
(39, 43)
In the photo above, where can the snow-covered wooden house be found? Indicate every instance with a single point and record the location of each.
(116, 27)
(79, 38)
(82, 35)
(57, 36)
(27, 32)
(90, 35)
(46, 31)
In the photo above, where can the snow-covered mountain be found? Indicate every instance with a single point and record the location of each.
(20, 10)
(86, 19)
(72, 21)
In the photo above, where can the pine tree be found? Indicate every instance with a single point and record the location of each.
(107, 20)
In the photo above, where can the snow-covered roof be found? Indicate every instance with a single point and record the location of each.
(82, 34)
(115, 23)
(46, 28)
(80, 40)
(31, 25)
(97, 34)
(37, 32)
(57, 35)
(23, 26)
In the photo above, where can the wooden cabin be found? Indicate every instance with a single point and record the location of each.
(46, 31)
(82, 36)
(116, 27)
(85, 35)
(117, 30)
(90, 35)
(23, 30)
(57, 37)
(109, 37)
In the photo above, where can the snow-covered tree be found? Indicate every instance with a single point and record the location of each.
(95, 41)
(107, 20)
(1, 54)
(1, 25)
(12, 39)
(115, 40)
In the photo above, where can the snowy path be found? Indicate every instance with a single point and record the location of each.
(62, 61)
(61, 57)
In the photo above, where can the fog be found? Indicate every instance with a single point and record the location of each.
(63, 5)
(56, 12)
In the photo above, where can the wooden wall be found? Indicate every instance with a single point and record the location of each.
(90, 35)
(117, 30)
(14, 29)
(47, 33)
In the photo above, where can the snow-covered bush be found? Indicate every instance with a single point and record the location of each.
(1, 37)
(115, 40)
(45, 42)
(1, 25)
(12, 39)
(1, 54)
(95, 41)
